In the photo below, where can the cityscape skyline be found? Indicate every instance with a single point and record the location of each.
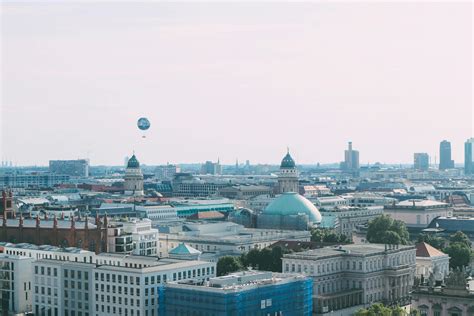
(239, 158)
(311, 77)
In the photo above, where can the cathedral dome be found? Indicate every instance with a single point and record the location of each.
(287, 162)
(291, 203)
(133, 162)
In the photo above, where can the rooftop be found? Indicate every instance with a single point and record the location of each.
(352, 250)
(420, 204)
(183, 249)
(239, 281)
(43, 248)
(427, 251)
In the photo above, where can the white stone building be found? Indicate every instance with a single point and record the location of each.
(349, 277)
(345, 219)
(224, 238)
(15, 284)
(418, 213)
(69, 282)
(329, 202)
(430, 260)
(72, 288)
(133, 236)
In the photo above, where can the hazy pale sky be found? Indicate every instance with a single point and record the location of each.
(235, 80)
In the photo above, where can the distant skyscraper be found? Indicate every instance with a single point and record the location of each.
(421, 161)
(469, 156)
(351, 160)
(210, 167)
(445, 161)
(74, 168)
(166, 172)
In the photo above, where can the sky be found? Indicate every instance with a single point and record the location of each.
(235, 80)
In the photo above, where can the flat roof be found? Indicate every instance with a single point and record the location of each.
(353, 250)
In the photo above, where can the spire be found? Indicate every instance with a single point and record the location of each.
(106, 221)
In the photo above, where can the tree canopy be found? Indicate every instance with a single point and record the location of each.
(267, 259)
(328, 235)
(437, 242)
(228, 264)
(385, 230)
(378, 309)
(460, 237)
(460, 254)
(459, 248)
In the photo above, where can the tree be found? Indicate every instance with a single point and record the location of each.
(266, 259)
(378, 309)
(328, 235)
(277, 254)
(398, 311)
(385, 230)
(228, 264)
(437, 242)
(460, 237)
(460, 254)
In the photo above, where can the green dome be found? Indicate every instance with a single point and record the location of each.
(291, 203)
(288, 162)
(133, 162)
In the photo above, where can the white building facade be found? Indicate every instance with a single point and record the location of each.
(349, 277)
(15, 284)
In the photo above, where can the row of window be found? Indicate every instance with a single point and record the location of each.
(370, 266)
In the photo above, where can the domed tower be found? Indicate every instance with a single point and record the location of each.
(288, 176)
(133, 180)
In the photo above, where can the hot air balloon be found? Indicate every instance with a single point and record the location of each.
(143, 124)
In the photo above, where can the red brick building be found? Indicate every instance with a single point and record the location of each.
(56, 232)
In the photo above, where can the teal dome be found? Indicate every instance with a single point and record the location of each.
(287, 162)
(133, 162)
(291, 203)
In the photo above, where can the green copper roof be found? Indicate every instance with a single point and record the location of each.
(287, 162)
(133, 162)
(291, 203)
(184, 249)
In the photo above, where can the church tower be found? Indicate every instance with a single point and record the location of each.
(288, 176)
(133, 180)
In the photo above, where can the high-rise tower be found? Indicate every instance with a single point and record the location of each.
(445, 161)
(469, 156)
(351, 160)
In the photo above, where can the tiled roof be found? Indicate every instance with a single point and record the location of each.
(425, 250)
